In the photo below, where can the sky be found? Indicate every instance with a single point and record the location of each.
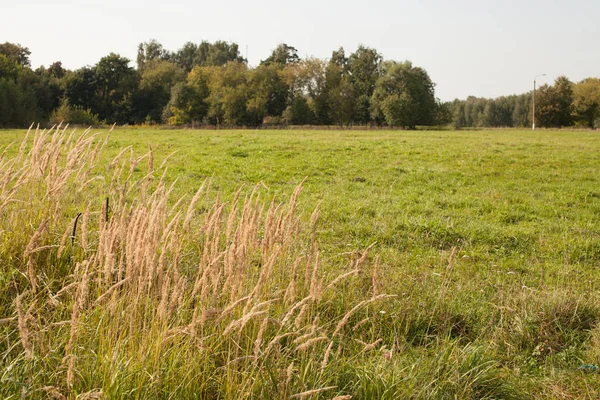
(482, 48)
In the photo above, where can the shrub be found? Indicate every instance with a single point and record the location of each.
(74, 115)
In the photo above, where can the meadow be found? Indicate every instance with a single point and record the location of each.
(154, 263)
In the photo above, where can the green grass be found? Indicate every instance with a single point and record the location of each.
(515, 315)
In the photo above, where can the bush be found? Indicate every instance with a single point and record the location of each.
(73, 115)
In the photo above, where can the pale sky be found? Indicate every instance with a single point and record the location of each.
(482, 48)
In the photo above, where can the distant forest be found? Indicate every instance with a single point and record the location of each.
(212, 84)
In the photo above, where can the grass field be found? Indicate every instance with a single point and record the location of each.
(487, 243)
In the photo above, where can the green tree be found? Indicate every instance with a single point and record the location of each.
(188, 102)
(268, 92)
(299, 112)
(18, 106)
(340, 95)
(586, 102)
(364, 66)
(56, 70)
(206, 54)
(521, 111)
(81, 88)
(9, 68)
(308, 79)
(17, 53)
(553, 104)
(229, 94)
(157, 80)
(149, 52)
(458, 114)
(404, 96)
(115, 82)
(282, 55)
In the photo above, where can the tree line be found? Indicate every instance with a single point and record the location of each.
(211, 83)
(562, 104)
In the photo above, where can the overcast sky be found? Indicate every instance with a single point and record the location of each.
(482, 48)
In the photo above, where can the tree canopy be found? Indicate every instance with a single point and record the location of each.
(211, 83)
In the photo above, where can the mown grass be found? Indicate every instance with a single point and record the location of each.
(489, 241)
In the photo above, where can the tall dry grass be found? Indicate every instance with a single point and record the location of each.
(115, 288)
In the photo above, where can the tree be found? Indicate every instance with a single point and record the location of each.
(149, 52)
(586, 102)
(9, 68)
(553, 104)
(490, 114)
(299, 112)
(157, 80)
(185, 56)
(81, 88)
(364, 66)
(18, 106)
(308, 79)
(283, 55)
(17, 53)
(404, 96)
(229, 94)
(115, 83)
(56, 70)
(206, 54)
(521, 110)
(458, 114)
(268, 92)
(339, 93)
(443, 113)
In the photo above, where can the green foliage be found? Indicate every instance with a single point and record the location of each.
(16, 53)
(206, 54)
(74, 115)
(269, 92)
(149, 52)
(299, 112)
(553, 104)
(9, 68)
(18, 106)
(586, 102)
(157, 81)
(509, 111)
(188, 101)
(404, 96)
(229, 94)
(365, 68)
(282, 55)
(356, 89)
(115, 82)
(341, 98)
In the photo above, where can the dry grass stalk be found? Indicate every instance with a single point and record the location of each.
(78, 305)
(289, 373)
(53, 392)
(363, 303)
(306, 345)
(190, 211)
(22, 323)
(310, 393)
(140, 259)
(341, 277)
(371, 346)
(8, 320)
(375, 277)
(259, 337)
